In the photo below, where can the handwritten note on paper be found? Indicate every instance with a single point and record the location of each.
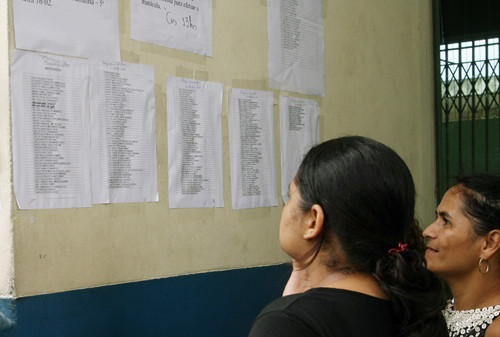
(184, 24)
(50, 132)
(194, 121)
(299, 125)
(296, 46)
(123, 133)
(83, 28)
(253, 155)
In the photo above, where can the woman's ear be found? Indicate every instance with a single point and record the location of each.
(314, 222)
(491, 244)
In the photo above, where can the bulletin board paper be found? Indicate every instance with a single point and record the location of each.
(194, 121)
(86, 28)
(252, 149)
(299, 125)
(50, 131)
(123, 133)
(184, 25)
(296, 46)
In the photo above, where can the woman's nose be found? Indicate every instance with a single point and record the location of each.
(429, 231)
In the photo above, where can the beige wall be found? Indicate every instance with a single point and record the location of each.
(378, 56)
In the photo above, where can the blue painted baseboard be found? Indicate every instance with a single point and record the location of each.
(215, 304)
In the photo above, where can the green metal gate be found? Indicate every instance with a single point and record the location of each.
(468, 97)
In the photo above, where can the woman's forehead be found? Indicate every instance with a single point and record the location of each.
(452, 200)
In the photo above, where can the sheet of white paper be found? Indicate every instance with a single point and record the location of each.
(253, 155)
(50, 131)
(123, 133)
(296, 46)
(194, 121)
(84, 28)
(184, 25)
(299, 125)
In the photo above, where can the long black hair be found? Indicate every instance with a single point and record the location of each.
(368, 198)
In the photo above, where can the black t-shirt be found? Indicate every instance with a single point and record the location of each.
(325, 312)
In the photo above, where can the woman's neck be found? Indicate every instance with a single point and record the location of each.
(313, 276)
(360, 282)
(318, 275)
(477, 291)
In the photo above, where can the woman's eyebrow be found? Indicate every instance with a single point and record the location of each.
(444, 214)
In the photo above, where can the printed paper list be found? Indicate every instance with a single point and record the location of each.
(299, 125)
(51, 138)
(195, 143)
(54, 137)
(126, 167)
(253, 163)
(296, 46)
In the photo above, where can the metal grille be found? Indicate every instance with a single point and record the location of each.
(469, 122)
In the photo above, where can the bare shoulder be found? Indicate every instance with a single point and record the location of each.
(494, 329)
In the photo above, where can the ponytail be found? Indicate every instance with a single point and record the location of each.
(414, 291)
(368, 197)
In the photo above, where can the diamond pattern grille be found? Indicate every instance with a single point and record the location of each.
(469, 123)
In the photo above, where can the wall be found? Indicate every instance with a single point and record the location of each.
(58, 250)
(378, 61)
(217, 304)
(380, 84)
(6, 238)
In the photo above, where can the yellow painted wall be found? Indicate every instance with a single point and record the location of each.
(378, 61)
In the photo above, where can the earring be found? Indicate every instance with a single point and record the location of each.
(487, 266)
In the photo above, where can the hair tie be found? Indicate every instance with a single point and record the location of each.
(401, 248)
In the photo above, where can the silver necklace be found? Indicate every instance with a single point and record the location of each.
(469, 322)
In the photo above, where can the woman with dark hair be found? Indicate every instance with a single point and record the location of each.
(463, 249)
(356, 249)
